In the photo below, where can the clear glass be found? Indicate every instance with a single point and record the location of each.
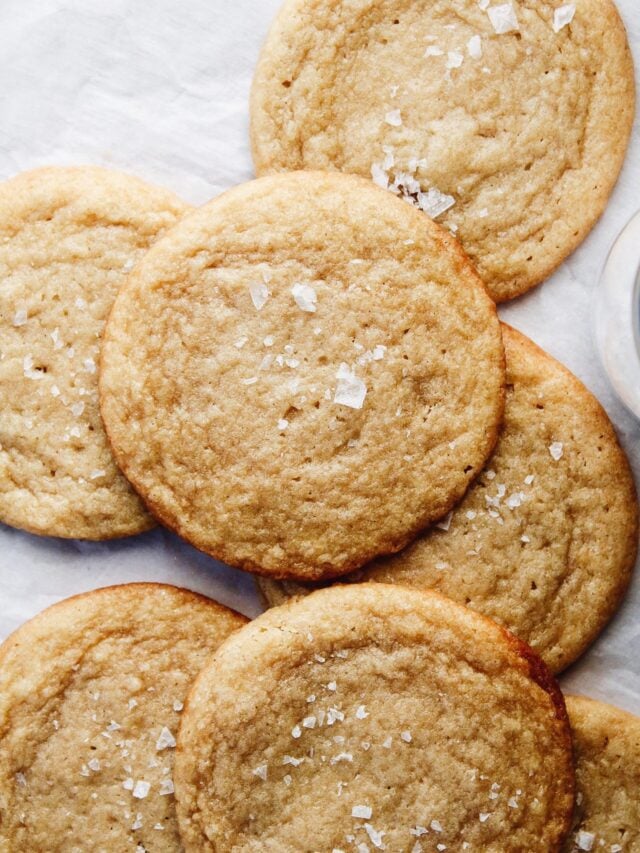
(617, 316)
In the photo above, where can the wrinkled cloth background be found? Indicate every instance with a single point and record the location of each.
(161, 89)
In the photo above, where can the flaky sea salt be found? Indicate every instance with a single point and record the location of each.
(454, 59)
(350, 390)
(166, 740)
(20, 317)
(141, 789)
(259, 294)
(394, 118)
(166, 787)
(283, 425)
(343, 756)
(434, 50)
(29, 372)
(305, 296)
(445, 524)
(361, 713)
(436, 826)
(261, 772)
(474, 47)
(374, 836)
(379, 176)
(503, 18)
(556, 450)
(563, 16)
(585, 840)
(363, 812)
(435, 203)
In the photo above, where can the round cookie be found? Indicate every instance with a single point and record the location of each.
(68, 238)
(607, 751)
(90, 697)
(545, 540)
(508, 122)
(374, 715)
(302, 375)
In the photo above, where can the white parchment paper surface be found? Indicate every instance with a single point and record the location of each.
(161, 89)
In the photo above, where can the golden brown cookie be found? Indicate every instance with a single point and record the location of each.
(91, 692)
(607, 751)
(68, 239)
(302, 375)
(545, 540)
(373, 717)
(506, 121)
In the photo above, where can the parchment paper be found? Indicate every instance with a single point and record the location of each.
(161, 89)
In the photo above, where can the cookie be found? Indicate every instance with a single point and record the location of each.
(607, 750)
(302, 375)
(91, 692)
(374, 717)
(68, 238)
(545, 540)
(507, 122)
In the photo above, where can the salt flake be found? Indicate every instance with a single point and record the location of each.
(166, 740)
(474, 47)
(585, 840)
(141, 789)
(261, 772)
(166, 787)
(350, 390)
(503, 18)
(259, 294)
(375, 837)
(363, 812)
(394, 118)
(435, 203)
(563, 16)
(557, 450)
(306, 297)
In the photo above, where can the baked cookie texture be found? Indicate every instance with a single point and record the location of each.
(90, 697)
(302, 375)
(68, 239)
(508, 122)
(607, 750)
(376, 716)
(545, 540)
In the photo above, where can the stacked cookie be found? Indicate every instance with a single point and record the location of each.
(307, 378)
